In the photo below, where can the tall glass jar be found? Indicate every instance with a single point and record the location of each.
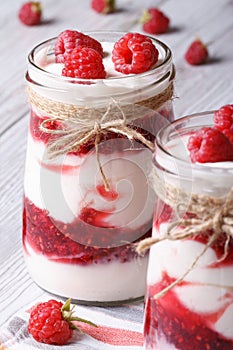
(189, 300)
(87, 197)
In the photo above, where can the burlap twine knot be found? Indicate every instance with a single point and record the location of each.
(79, 125)
(208, 215)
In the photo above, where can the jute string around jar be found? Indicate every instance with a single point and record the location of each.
(78, 125)
(214, 214)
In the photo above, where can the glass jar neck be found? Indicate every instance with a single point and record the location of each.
(130, 88)
(172, 161)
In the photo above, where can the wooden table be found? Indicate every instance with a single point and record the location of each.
(197, 89)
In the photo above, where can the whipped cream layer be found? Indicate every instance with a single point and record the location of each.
(130, 88)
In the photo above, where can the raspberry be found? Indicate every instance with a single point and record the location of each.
(154, 21)
(209, 145)
(134, 53)
(196, 53)
(85, 63)
(69, 40)
(51, 322)
(103, 6)
(223, 120)
(30, 13)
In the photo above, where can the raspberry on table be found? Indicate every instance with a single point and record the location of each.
(223, 121)
(197, 53)
(134, 53)
(69, 40)
(51, 322)
(103, 6)
(209, 145)
(30, 13)
(154, 21)
(85, 63)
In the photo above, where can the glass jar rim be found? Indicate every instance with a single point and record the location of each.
(167, 59)
(182, 163)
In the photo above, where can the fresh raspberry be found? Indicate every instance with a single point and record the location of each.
(209, 145)
(69, 40)
(51, 322)
(223, 120)
(197, 53)
(103, 6)
(154, 21)
(85, 63)
(30, 13)
(134, 53)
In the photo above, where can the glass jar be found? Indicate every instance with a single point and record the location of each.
(189, 299)
(87, 197)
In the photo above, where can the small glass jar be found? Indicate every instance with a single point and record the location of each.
(189, 299)
(87, 197)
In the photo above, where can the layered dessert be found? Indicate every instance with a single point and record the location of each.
(196, 312)
(83, 210)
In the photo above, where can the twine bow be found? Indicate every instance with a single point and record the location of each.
(89, 124)
(208, 213)
(79, 125)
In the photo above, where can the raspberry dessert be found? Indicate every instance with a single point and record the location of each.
(189, 302)
(87, 197)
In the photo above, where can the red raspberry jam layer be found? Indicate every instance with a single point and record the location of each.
(146, 126)
(169, 319)
(86, 240)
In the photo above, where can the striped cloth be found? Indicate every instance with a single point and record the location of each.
(118, 328)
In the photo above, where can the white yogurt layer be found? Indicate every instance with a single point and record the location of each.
(66, 185)
(113, 281)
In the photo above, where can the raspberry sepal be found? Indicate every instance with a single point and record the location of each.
(67, 315)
